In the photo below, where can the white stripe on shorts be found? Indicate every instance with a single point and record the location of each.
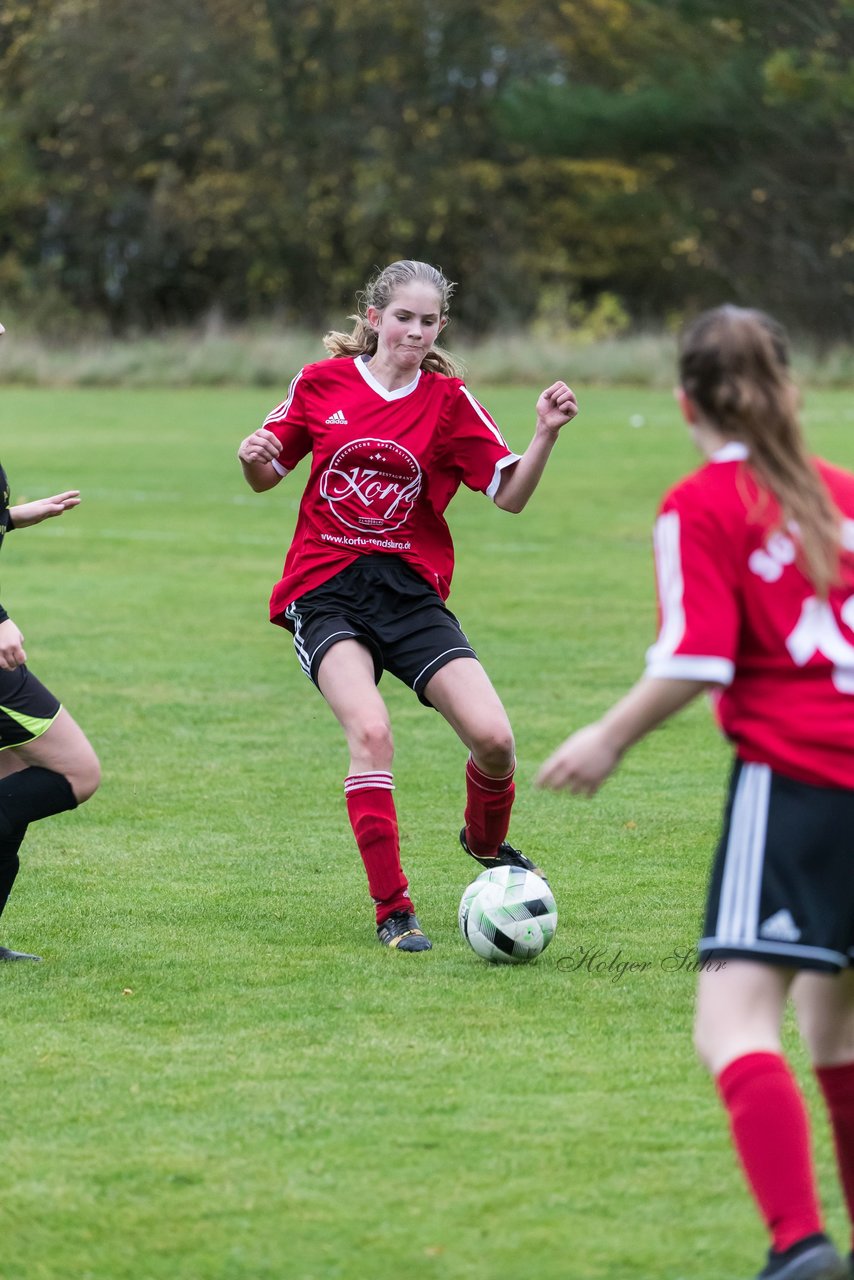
(306, 659)
(738, 909)
(302, 656)
(457, 649)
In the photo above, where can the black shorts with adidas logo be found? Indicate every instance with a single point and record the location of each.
(383, 603)
(782, 884)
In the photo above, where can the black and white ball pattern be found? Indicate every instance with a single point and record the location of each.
(508, 915)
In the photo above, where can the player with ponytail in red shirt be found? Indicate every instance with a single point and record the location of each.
(392, 431)
(755, 570)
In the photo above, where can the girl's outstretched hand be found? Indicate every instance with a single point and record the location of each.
(27, 513)
(582, 763)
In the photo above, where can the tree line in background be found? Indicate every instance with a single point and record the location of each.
(619, 160)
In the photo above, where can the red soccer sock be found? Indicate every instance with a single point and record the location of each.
(770, 1130)
(370, 807)
(488, 805)
(837, 1085)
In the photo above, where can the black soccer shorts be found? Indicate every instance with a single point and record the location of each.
(782, 884)
(27, 708)
(385, 605)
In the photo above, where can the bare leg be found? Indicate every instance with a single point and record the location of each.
(462, 692)
(65, 749)
(739, 1010)
(10, 763)
(39, 778)
(825, 1007)
(346, 680)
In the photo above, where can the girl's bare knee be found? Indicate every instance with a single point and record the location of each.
(495, 751)
(373, 741)
(85, 777)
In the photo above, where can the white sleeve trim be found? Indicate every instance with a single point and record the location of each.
(485, 417)
(281, 410)
(499, 467)
(671, 586)
(686, 666)
(277, 466)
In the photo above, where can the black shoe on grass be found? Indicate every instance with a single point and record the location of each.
(6, 954)
(402, 931)
(507, 856)
(813, 1258)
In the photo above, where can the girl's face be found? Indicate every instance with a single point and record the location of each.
(410, 324)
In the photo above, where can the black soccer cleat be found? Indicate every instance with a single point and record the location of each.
(402, 931)
(813, 1258)
(7, 954)
(507, 856)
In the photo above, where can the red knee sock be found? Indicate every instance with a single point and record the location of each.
(488, 805)
(837, 1085)
(372, 816)
(770, 1130)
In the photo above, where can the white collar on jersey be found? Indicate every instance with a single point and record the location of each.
(361, 363)
(733, 451)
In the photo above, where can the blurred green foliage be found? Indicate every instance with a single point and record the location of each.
(166, 161)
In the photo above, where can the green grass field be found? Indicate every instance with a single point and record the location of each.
(217, 1073)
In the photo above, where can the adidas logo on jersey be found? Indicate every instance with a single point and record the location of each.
(337, 419)
(780, 927)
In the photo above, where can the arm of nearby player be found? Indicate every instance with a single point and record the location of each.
(257, 453)
(21, 516)
(588, 757)
(555, 407)
(25, 514)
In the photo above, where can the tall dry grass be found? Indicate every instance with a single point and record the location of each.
(268, 357)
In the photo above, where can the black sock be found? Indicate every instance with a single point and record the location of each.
(9, 846)
(31, 794)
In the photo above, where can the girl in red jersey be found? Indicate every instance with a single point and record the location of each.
(46, 762)
(392, 432)
(756, 593)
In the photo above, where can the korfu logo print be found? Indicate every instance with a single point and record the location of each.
(371, 485)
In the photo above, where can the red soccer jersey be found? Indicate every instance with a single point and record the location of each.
(736, 609)
(384, 466)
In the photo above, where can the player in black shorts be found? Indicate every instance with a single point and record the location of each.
(390, 432)
(46, 762)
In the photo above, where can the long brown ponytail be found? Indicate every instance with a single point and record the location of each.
(378, 292)
(734, 365)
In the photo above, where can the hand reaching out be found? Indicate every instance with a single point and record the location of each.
(27, 513)
(582, 763)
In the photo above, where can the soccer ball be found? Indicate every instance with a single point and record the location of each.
(508, 915)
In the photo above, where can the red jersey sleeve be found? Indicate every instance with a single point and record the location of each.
(288, 423)
(479, 450)
(697, 593)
